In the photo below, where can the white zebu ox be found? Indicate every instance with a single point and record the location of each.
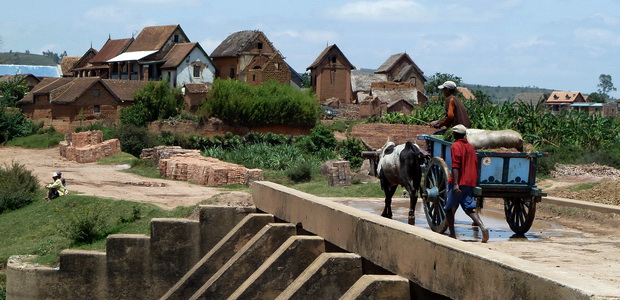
(401, 165)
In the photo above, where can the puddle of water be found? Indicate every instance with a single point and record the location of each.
(495, 220)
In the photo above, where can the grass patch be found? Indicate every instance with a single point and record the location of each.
(39, 141)
(41, 228)
(118, 159)
(144, 167)
(582, 186)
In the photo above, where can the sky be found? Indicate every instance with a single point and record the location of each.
(556, 44)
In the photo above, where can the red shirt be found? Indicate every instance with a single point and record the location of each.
(465, 159)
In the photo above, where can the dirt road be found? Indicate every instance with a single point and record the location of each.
(107, 180)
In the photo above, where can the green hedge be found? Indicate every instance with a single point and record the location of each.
(272, 103)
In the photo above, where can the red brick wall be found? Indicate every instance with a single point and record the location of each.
(376, 135)
(223, 65)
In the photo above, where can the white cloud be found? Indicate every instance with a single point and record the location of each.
(383, 10)
(107, 14)
(531, 42)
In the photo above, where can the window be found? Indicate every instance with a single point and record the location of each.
(277, 65)
(232, 72)
(175, 38)
(96, 109)
(333, 59)
(253, 77)
(260, 45)
(196, 71)
(96, 93)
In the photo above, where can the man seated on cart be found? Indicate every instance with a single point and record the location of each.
(456, 113)
(463, 181)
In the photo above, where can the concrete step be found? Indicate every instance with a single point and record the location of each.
(281, 268)
(379, 287)
(211, 262)
(225, 281)
(328, 277)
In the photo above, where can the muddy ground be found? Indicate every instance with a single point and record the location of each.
(583, 244)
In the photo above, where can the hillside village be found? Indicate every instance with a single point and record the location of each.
(97, 84)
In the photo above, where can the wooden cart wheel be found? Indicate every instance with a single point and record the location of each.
(520, 213)
(435, 194)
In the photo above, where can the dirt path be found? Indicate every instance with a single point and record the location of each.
(107, 180)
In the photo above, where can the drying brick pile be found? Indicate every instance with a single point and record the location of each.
(163, 152)
(206, 170)
(339, 173)
(89, 146)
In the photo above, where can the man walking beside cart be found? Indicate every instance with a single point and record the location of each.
(462, 182)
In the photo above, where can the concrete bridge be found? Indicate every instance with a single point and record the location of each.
(292, 246)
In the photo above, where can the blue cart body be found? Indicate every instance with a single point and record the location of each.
(500, 174)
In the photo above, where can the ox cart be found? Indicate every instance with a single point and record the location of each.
(507, 175)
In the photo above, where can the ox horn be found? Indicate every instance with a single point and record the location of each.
(366, 145)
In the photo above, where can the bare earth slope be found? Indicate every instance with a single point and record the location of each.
(107, 180)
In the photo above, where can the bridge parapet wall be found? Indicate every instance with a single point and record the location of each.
(433, 261)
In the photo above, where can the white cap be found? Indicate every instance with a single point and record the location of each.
(448, 85)
(459, 129)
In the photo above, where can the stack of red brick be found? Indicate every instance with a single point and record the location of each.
(89, 146)
(208, 171)
(339, 173)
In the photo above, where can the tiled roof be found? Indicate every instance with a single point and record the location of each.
(70, 91)
(467, 94)
(197, 88)
(361, 82)
(177, 53)
(393, 59)
(110, 49)
(152, 38)
(531, 98)
(67, 63)
(124, 89)
(557, 96)
(235, 43)
(67, 90)
(321, 56)
(45, 86)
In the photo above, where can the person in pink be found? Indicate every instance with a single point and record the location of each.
(462, 182)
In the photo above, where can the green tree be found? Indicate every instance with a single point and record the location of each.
(605, 85)
(305, 80)
(481, 97)
(13, 90)
(438, 79)
(156, 101)
(597, 98)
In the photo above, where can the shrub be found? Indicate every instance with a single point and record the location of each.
(13, 124)
(300, 172)
(322, 138)
(86, 227)
(134, 139)
(18, 186)
(351, 150)
(156, 101)
(272, 103)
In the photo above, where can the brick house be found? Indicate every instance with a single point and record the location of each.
(187, 63)
(330, 75)
(98, 66)
(559, 101)
(78, 99)
(194, 94)
(157, 52)
(30, 80)
(250, 57)
(82, 63)
(401, 68)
